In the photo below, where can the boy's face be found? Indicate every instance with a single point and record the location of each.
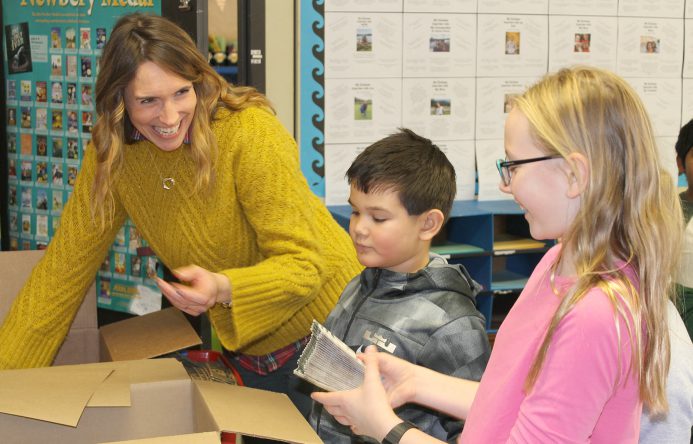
(384, 234)
(686, 166)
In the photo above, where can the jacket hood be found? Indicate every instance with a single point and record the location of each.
(437, 275)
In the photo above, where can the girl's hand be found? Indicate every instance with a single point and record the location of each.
(201, 290)
(397, 377)
(366, 410)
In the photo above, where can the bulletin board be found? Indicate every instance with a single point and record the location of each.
(448, 68)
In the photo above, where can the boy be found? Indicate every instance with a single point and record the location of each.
(684, 159)
(408, 302)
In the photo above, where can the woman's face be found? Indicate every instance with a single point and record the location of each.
(160, 105)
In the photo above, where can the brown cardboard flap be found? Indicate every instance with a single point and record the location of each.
(236, 408)
(194, 438)
(115, 391)
(147, 336)
(54, 394)
(60, 394)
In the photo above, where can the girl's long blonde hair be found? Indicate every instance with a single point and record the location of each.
(629, 212)
(135, 39)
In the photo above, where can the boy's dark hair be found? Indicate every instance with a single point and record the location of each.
(411, 165)
(685, 140)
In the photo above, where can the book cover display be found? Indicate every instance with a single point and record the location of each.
(51, 52)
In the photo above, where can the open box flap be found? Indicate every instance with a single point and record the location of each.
(256, 413)
(194, 438)
(60, 394)
(147, 336)
(54, 394)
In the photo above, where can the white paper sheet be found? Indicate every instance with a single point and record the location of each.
(513, 6)
(338, 159)
(493, 103)
(361, 110)
(440, 108)
(487, 152)
(689, 10)
(649, 47)
(512, 45)
(439, 6)
(582, 40)
(363, 45)
(688, 57)
(687, 101)
(439, 45)
(461, 155)
(364, 5)
(591, 7)
(662, 98)
(649, 8)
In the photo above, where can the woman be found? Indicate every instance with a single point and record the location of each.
(211, 180)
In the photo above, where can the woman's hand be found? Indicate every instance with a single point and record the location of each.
(199, 291)
(366, 410)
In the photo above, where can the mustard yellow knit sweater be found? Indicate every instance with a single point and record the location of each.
(261, 226)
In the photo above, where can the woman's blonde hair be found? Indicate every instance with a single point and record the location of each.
(135, 39)
(629, 212)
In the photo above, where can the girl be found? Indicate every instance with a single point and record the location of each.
(568, 364)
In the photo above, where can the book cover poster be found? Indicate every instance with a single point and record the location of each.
(100, 38)
(11, 90)
(18, 48)
(56, 40)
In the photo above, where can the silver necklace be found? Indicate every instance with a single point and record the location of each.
(167, 183)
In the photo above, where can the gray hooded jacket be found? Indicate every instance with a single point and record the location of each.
(428, 318)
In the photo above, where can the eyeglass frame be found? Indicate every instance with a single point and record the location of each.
(503, 164)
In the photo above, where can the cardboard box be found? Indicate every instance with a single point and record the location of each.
(142, 400)
(142, 337)
(131, 398)
(82, 342)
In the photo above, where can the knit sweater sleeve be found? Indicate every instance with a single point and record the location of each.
(277, 203)
(43, 311)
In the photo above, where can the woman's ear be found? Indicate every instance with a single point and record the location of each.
(432, 222)
(578, 173)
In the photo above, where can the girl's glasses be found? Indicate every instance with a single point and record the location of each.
(504, 166)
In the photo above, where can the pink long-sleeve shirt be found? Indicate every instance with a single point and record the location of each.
(584, 393)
